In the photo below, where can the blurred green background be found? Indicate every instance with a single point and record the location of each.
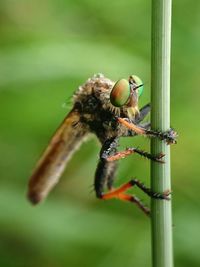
(47, 49)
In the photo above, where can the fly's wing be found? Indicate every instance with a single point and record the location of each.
(64, 142)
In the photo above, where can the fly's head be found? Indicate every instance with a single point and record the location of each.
(125, 95)
(100, 93)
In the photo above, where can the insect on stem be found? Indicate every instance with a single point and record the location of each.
(96, 105)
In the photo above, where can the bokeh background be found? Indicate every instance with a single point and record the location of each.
(47, 49)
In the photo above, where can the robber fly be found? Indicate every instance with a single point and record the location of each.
(110, 111)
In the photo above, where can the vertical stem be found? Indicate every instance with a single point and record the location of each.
(162, 252)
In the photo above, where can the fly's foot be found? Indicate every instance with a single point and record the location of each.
(159, 157)
(168, 136)
(165, 195)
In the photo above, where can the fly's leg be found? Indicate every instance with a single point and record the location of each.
(105, 171)
(129, 151)
(120, 194)
(100, 180)
(144, 111)
(105, 174)
(111, 175)
(132, 150)
(169, 136)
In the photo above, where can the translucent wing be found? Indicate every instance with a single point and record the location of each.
(64, 142)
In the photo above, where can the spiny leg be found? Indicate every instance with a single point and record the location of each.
(148, 191)
(116, 192)
(119, 194)
(105, 171)
(111, 175)
(169, 136)
(132, 150)
(110, 146)
(122, 154)
(109, 149)
(132, 199)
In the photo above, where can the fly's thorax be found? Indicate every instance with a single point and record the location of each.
(98, 86)
(94, 96)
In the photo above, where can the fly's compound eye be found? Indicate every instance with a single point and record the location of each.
(120, 93)
(138, 82)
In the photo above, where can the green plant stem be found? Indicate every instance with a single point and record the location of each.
(162, 251)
